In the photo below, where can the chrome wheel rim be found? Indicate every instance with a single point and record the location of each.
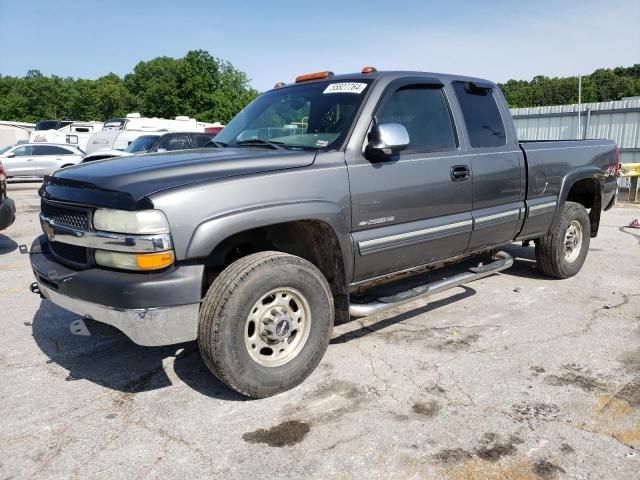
(277, 327)
(573, 241)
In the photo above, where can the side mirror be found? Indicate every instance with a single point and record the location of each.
(10, 155)
(386, 139)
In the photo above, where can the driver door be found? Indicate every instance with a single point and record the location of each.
(411, 208)
(22, 164)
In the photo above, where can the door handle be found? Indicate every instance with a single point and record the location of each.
(460, 173)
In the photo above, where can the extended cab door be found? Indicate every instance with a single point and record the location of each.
(414, 207)
(499, 177)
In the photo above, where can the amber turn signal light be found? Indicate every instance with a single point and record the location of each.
(154, 261)
(314, 76)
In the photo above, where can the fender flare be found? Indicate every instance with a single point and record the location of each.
(211, 232)
(592, 173)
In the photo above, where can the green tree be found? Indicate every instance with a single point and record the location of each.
(601, 86)
(211, 89)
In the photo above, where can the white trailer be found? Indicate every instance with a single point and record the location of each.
(14, 132)
(118, 133)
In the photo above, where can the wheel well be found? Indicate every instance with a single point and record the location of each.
(587, 193)
(312, 240)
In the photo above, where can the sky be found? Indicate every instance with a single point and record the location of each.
(275, 41)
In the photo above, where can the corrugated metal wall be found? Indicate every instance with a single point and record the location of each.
(619, 121)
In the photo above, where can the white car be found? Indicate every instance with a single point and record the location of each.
(38, 159)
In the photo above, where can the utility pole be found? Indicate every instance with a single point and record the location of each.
(578, 136)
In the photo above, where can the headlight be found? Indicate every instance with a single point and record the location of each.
(122, 221)
(134, 261)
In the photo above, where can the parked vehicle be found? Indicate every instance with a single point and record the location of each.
(65, 132)
(141, 144)
(7, 206)
(318, 189)
(118, 133)
(12, 133)
(44, 125)
(156, 143)
(38, 159)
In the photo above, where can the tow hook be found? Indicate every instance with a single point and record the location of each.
(35, 288)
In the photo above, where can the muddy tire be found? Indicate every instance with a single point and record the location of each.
(562, 252)
(265, 323)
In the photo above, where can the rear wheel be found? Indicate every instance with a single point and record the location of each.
(265, 323)
(562, 252)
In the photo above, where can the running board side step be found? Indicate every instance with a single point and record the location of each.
(502, 262)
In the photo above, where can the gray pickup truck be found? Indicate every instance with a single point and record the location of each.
(317, 190)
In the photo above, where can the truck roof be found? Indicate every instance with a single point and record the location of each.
(392, 75)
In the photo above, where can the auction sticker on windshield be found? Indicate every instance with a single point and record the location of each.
(345, 87)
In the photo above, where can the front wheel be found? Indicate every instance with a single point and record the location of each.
(265, 323)
(562, 252)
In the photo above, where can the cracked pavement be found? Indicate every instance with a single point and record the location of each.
(513, 376)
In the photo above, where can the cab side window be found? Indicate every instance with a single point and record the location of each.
(49, 150)
(63, 151)
(481, 115)
(175, 142)
(424, 112)
(46, 150)
(25, 151)
(203, 140)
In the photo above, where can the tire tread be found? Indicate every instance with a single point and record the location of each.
(548, 247)
(213, 309)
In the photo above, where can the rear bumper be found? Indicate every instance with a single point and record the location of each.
(151, 309)
(7, 213)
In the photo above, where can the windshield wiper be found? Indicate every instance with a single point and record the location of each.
(213, 143)
(259, 141)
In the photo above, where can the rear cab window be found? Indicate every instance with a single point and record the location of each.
(481, 114)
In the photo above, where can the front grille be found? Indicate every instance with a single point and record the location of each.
(78, 218)
(70, 253)
(74, 217)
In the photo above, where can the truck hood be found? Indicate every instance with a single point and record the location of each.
(126, 182)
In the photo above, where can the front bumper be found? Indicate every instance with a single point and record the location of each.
(7, 213)
(152, 309)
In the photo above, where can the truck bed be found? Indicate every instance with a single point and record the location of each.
(554, 165)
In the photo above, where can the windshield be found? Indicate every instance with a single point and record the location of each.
(52, 124)
(114, 124)
(141, 144)
(305, 116)
(5, 149)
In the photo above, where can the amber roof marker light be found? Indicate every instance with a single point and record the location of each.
(314, 76)
(369, 70)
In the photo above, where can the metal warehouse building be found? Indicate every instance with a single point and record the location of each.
(619, 121)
